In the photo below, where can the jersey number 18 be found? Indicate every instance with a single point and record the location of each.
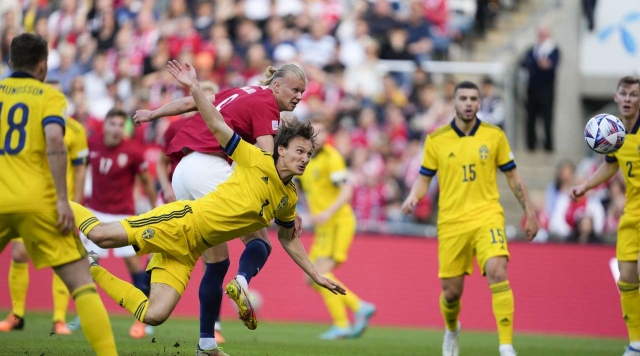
(13, 128)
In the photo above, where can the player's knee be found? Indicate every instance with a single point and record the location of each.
(19, 255)
(154, 318)
(497, 274)
(452, 294)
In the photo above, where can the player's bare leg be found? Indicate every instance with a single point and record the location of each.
(18, 285)
(141, 280)
(257, 250)
(502, 301)
(630, 301)
(93, 315)
(216, 261)
(452, 289)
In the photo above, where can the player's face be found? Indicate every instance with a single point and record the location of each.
(467, 103)
(296, 157)
(113, 130)
(289, 91)
(628, 99)
(321, 134)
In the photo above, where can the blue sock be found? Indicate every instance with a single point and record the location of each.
(211, 296)
(142, 281)
(253, 258)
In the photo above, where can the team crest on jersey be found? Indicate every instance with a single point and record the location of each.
(122, 160)
(283, 203)
(148, 234)
(484, 152)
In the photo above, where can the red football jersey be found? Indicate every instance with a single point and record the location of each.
(113, 171)
(169, 133)
(251, 111)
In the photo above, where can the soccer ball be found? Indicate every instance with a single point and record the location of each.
(604, 133)
(256, 301)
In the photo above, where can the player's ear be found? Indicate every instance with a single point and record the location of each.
(281, 150)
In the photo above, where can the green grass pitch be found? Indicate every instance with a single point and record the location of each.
(179, 337)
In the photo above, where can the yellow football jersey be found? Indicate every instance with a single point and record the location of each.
(26, 106)
(321, 179)
(75, 138)
(248, 201)
(628, 157)
(466, 168)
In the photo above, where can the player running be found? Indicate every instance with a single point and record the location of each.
(35, 201)
(627, 96)
(328, 191)
(259, 190)
(254, 114)
(75, 139)
(466, 155)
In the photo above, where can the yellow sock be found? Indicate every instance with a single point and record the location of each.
(18, 285)
(450, 312)
(84, 218)
(335, 304)
(94, 320)
(503, 306)
(60, 298)
(630, 300)
(351, 300)
(123, 293)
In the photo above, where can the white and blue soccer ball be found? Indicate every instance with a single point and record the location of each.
(604, 133)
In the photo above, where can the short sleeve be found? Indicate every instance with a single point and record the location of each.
(611, 157)
(243, 153)
(265, 120)
(54, 108)
(78, 147)
(504, 158)
(429, 160)
(337, 169)
(285, 217)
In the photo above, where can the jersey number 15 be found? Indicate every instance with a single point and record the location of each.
(13, 129)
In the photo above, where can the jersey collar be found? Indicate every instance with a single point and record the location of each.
(460, 133)
(636, 126)
(20, 74)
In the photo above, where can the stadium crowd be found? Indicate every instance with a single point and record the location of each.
(113, 53)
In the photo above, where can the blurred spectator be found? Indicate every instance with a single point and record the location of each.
(564, 178)
(317, 47)
(585, 232)
(541, 63)
(419, 41)
(491, 106)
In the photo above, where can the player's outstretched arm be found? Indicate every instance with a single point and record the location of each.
(175, 107)
(418, 190)
(296, 251)
(520, 191)
(186, 75)
(57, 156)
(603, 174)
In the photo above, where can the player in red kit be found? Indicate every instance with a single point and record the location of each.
(254, 113)
(115, 163)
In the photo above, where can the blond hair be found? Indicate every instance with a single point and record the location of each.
(271, 73)
(210, 85)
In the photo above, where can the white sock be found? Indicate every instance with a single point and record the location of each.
(207, 343)
(243, 282)
(217, 326)
(635, 345)
(506, 347)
